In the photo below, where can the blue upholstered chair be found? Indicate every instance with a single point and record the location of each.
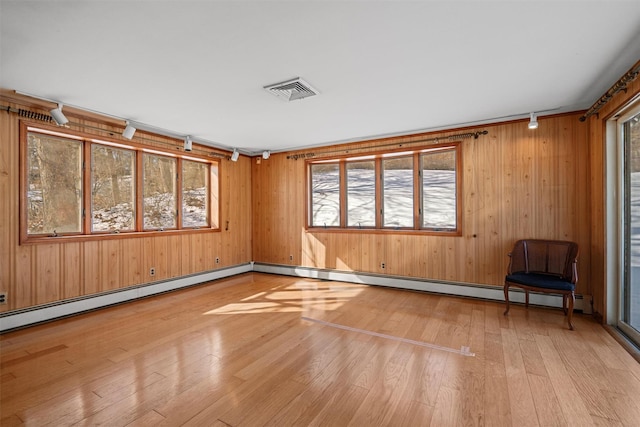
(548, 266)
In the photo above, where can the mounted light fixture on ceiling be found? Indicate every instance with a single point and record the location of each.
(188, 144)
(58, 116)
(266, 154)
(533, 122)
(235, 155)
(128, 131)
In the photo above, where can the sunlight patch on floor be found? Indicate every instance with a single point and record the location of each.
(302, 296)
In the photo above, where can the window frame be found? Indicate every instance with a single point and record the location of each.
(88, 141)
(416, 153)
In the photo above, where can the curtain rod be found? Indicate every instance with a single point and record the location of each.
(437, 139)
(620, 85)
(48, 119)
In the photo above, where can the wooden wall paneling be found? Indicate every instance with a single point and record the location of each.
(21, 293)
(509, 193)
(397, 261)
(133, 272)
(92, 267)
(36, 273)
(581, 210)
(294, 217)
(366, 262)
(173, 254)
(160, 256)
(72, 284)
(526, 182)
(194, 253)
(48, 273)
(348, 256)
(234, 214)
(516, 183)
(9, 148)
(259, 237)
(596, 211)
(487, 252)
(110, 264)
(474, 203)
(229, 220)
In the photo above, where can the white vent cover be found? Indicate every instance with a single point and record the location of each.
(291, 90)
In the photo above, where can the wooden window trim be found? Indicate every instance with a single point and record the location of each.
(87, 234)
(417, 194)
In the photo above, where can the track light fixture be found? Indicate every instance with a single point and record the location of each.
(266, 154)
(58, 116)
(128, 131)
(235, 155)
(533, 122)
(188, 145)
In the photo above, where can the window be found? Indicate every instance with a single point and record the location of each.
(113, 197)
(325, 195)
(195, 197)
(628, 129)
(397, 192)
(159, 188)
(74, 185)
(361, 193)
(439, 188)
(54, 185)
(410, 190)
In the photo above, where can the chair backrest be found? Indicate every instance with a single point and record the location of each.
(555, 257)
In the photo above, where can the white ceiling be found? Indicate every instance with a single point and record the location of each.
(382, 68)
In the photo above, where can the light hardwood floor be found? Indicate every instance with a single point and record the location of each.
(241, 352)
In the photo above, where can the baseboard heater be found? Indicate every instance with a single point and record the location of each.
(16, 319)
(470, 290)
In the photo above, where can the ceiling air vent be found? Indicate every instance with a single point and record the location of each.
(291, 90)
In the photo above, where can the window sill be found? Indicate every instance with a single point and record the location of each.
(112, 236)
(408, 231)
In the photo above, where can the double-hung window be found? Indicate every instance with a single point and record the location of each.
(77, 185)
(415, 190)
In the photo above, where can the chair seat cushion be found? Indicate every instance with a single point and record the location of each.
(544, 281)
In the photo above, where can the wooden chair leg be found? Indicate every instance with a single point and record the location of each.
(564, 303)
(572, 299)
(526, 298)
(506, 297)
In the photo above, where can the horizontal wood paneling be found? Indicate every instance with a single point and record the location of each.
(35, 274)
(517, 183)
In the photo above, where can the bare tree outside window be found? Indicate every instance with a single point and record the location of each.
(54, 185)
(112, 189)
(195, 190)
(159, 188)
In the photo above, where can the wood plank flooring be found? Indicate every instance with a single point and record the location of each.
(237, 352)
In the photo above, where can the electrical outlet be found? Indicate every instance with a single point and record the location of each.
(152, 271)
(382, 265)
(3, 297)
(290, 257)
(217, 260)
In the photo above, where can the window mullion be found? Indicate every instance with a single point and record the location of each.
(378, 192)
(343, 194)
(139, 213)
(179, 195)
(417, 190)
(86, 187)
